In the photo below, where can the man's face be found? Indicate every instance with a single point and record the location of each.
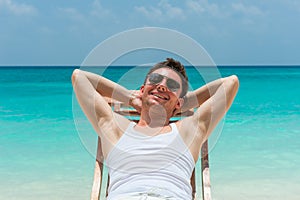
(163, 87)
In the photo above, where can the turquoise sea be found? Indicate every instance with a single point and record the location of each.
(257, 155)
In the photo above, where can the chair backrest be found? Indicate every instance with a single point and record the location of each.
(101, 178)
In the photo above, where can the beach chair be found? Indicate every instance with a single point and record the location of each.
(101, 183)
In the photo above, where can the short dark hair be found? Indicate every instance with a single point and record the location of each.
(177, 67)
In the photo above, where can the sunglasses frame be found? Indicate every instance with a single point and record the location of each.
(170, 82)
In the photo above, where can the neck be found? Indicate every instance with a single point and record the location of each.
(154, 117)
(151, 127)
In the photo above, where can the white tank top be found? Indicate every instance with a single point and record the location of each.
(159, 165)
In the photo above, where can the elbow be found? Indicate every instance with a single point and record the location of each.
(234, 79)
(231, 90)
(234, 82)
(75, 76)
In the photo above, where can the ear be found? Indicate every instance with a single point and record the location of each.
(179, 103)
(178, 106)
(142, 88)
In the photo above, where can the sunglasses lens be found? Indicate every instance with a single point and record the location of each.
(155, 78)
(173, 85)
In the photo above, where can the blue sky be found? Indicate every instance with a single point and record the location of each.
(56, 32)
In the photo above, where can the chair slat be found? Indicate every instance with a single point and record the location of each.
(206, 187)
(98, 173)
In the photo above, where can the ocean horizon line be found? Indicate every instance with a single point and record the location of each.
(130, 66)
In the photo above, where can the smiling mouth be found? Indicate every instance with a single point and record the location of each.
(159, 96)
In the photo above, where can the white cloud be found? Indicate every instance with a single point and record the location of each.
(150, 13)
(171, 11)
(249, 14)
(18, 8)
(294, 4)
(72, 13)
(164, 11)
(222, 10)
(96, 12)
(247, 10)
(195, 6)
(204, 7)
(91, 19)
(99, 11)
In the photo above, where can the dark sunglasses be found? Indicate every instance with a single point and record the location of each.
(156, 78)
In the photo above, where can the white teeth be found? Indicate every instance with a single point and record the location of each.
(161, 97)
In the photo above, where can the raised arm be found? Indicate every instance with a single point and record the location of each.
(90, 89)
(91, 102)
(108, 88)
(215, 98)
(213, 109)
(196, 97)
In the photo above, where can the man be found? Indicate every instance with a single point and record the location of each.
(154, 158)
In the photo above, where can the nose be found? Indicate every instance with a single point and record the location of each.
(162, 88)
